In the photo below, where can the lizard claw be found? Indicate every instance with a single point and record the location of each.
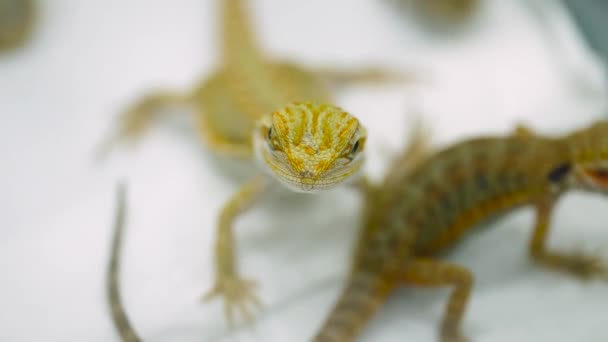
(238, 296)
(588, 266)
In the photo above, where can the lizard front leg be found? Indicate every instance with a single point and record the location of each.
(579, 264)
(219, 144)
(138, 118)
(237, 292)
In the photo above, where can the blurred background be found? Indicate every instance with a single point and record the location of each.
(487, 65)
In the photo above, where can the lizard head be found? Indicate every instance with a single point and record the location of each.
(310, 147)
(588, 150)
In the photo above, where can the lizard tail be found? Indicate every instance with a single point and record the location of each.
(238, 41)
(359, 301)
(119, 316)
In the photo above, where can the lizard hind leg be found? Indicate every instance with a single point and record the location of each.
(435, 273)
(139, 117)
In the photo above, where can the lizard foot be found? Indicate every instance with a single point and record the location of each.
(587, 266)
(238, 296)
(582, 265)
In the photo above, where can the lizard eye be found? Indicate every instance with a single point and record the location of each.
(355, 148)
(269, 139)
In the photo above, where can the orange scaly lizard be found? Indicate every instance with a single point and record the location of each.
(420, 212)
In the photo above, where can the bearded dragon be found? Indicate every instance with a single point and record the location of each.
(421, 211)
(253, 107)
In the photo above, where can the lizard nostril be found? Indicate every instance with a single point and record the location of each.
(306, 174)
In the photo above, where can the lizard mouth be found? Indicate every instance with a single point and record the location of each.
(310, 182)
(304, 184)
(307, 184)
(306, 181)
(598, 177)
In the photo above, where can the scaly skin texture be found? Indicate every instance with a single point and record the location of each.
(253, 106)
(419, 212)
(16, 21)
(310, 147)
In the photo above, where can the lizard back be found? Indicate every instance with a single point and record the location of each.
(453, 191)
(248, 85)
(231, 101)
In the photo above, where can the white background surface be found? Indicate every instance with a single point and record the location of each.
(88, 60)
